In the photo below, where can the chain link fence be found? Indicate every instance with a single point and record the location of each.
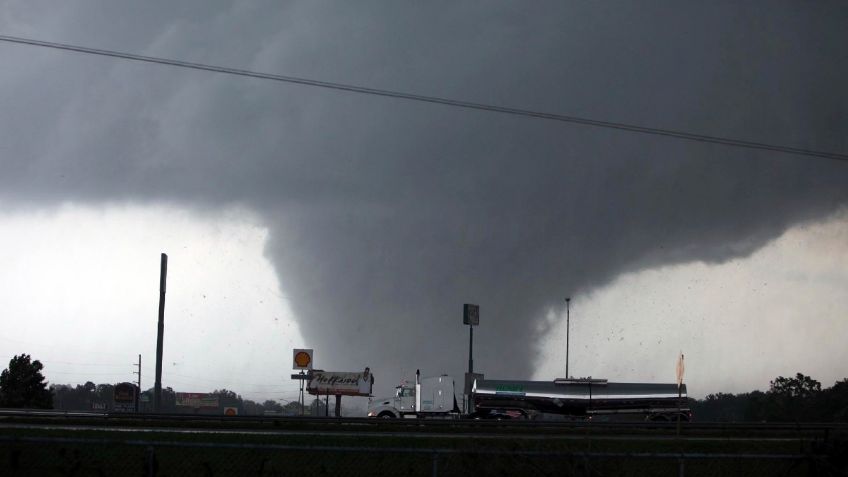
(45, 456)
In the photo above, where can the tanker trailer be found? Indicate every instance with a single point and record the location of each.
(589, 398)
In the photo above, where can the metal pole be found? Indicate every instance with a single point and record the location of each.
(302, 398)
(157, 389)
(567, 331)
(679, 397)
(138, 383)
(470, 349)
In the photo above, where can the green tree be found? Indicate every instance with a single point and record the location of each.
(835, 402)
(794, 399)
(270, 405)
(292, 408)
(317, 408)
(22, 385)
(167, 405)
(720, 407)
(105, 393)
(227, 398)
(800, 386)
(251, 408)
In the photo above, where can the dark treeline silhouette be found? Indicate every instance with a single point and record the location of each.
(100, 397)
(797, 399)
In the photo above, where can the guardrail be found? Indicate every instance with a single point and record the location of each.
(435, 423)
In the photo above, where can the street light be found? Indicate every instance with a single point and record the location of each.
(567, 326)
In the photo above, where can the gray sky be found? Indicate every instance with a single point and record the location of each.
(364, 223)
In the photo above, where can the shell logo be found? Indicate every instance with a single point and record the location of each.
(302, 359)
(230, 411)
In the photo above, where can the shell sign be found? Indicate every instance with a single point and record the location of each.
(302, 359)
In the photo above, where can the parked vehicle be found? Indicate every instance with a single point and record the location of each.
(588, 398)
(428, 397)
(501, 399)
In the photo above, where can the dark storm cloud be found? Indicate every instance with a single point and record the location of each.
(387, 215)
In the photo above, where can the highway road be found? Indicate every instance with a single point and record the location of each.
(413, 428)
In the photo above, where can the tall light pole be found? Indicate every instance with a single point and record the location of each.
(567, 328)
(470, 317)
(157, 386)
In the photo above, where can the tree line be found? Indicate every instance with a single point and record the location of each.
(794, 399)
(99, 397)
(23, 386)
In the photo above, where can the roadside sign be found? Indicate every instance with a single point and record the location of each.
(123, 407)
(302, 359)
(197, 400)
(341, 383)
(471, 314)
(231, 411)
(124, 392)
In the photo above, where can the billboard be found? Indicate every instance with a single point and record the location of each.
(471, 314)
(197, 400)
(124, 396)
(341, 383)
(124, 393)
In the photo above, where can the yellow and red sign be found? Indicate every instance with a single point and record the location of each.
(302, 359)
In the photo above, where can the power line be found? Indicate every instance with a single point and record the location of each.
(50, 361)
(85, 373)
(436, 100)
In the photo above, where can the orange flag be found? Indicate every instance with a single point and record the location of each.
(680, 369)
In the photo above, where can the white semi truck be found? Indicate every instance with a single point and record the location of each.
(501, 399)
(428, 397)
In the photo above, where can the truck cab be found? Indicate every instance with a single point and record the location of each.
(429, 397)
(401, 403)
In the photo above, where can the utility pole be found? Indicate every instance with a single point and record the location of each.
(302, 398)
(567, 330)
(470, 317)
(138, 383)
(157, 387)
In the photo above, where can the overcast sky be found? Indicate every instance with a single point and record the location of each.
(359, 225)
